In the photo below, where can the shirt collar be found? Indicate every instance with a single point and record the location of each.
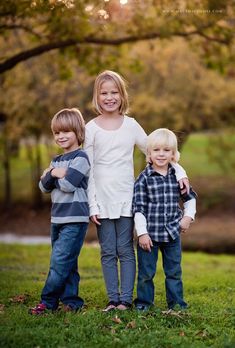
(150, 171)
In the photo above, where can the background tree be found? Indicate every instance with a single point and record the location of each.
(82, 26)
(177, 56)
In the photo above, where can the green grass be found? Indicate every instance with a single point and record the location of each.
(209, 289)
(194, 158)
(21, 172)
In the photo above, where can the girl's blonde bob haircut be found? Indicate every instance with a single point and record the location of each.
(120, 83)
(163, 137)
(69, 120)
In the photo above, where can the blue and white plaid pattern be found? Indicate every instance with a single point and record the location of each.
(157, 197)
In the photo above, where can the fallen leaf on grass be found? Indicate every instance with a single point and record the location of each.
(181, 333)
(19, 298)
(117, 320)
(173, 313)
(201, 333)
(131, 325)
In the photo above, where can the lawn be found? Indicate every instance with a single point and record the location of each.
(209, 282)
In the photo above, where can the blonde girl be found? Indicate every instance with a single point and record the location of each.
(109, 142)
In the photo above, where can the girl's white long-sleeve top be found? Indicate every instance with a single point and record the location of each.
(111, 181)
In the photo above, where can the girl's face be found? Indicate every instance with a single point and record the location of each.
(109, 98)
(161, 156)
(66, 140)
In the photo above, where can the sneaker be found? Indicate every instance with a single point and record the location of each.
(38, 309)
(123, 306)
(110, 306)
(141, 307)
(179, 308)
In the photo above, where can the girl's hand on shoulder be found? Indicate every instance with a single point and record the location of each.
(184, 185)
(185, 223)
(94, 219)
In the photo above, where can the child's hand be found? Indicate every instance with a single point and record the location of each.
(145, 242)
(184, 185)
(45, 172)
(94, 219)
(59, 172)
(185, 223)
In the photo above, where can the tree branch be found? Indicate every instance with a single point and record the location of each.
(20, 57)
(21, 27)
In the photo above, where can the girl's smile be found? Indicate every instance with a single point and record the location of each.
(109, 98)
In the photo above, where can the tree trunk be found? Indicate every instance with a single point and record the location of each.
(36, 173)
(7, 174)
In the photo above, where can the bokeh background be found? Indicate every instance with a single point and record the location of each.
(178, 58)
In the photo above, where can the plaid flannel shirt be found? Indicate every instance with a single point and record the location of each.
(157, 197)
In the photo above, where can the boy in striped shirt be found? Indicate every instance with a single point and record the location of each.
(66, 179)
(159, 220)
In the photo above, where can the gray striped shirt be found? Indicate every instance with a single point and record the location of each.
(69, 194)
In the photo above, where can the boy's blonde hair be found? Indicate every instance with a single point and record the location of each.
(109, 75)
(69, 120)
(163, 137)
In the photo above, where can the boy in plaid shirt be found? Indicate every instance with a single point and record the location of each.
(159, 220)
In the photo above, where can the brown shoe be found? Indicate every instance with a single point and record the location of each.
(68, 308)
(123, 306)
(110, 306)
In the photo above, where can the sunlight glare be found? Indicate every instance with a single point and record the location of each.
(123, 2)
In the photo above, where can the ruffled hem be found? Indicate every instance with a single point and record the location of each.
(115, 210)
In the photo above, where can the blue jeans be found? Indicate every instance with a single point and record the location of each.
(147, 263)
(63, 277)
(116, 242)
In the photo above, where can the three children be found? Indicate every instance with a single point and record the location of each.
(109, 145)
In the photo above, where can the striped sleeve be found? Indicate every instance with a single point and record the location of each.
(78, 169)
(47, 183)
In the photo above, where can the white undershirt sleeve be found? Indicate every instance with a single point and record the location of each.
(140, 224)
(190, 208)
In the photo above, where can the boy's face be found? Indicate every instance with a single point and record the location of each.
(66, 140)
(161, 156)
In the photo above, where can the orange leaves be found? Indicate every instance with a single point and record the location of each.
(19, 298)
(129, 325)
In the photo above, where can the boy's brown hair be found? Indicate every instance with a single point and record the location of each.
(69, 120)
